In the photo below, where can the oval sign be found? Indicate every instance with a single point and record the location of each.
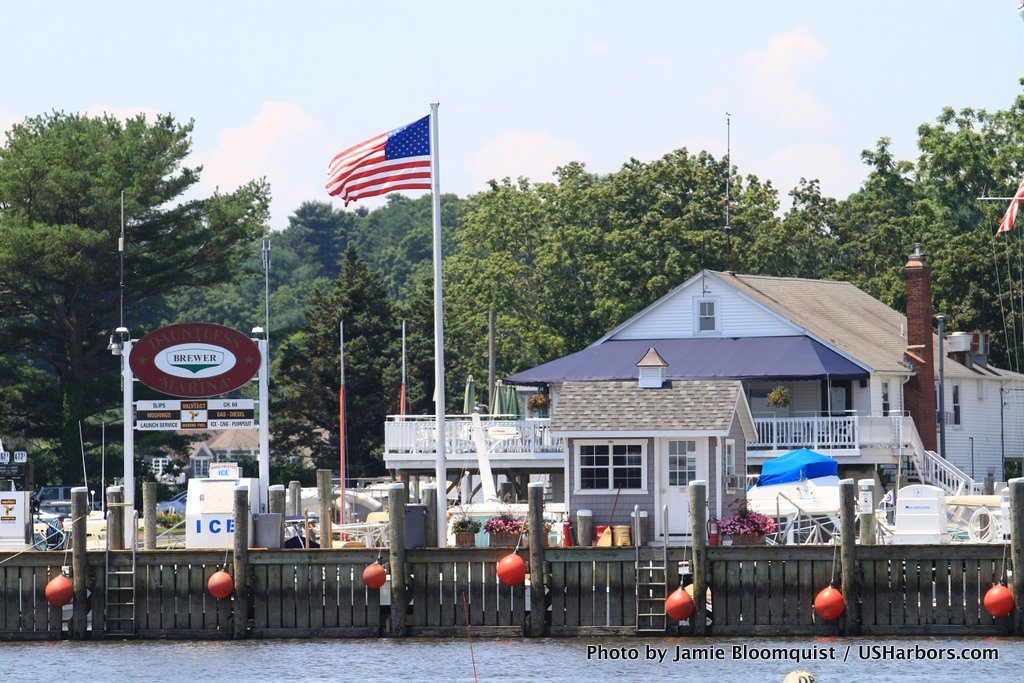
(194, 360)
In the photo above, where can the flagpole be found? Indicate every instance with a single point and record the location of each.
(401, 395)
(439, 461)
(341, 421)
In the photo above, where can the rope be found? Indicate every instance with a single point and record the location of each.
(32, 547)
(469, 635)
(835, 549)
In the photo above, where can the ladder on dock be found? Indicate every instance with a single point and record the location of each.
(119, 591)
(651, 581)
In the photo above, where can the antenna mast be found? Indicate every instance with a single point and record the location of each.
(120, 249)
(728, 187)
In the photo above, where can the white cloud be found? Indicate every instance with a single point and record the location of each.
(839, 170)
(517, 153)
(278, 143)
(771, 80)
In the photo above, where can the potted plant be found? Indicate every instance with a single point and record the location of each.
(548, 526)
(778, 397)
(465, 529)
(504, 529)
(538, 403)
(746, 527)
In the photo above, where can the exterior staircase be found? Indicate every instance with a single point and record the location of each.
(651, 583)
(930, 468)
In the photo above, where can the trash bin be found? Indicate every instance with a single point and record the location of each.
(620, 535)
(267, 533)
(415, 525)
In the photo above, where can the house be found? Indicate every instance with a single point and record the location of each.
(861, 377)
(640, 442)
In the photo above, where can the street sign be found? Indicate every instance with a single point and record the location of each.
(194, 360)
(20, 456)
(236, 413)
(5, 457)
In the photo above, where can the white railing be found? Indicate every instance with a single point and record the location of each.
(933, 469)
(418, 434)
(780, 433)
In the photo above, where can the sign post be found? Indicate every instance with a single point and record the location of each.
(264, 348)
(128, 386)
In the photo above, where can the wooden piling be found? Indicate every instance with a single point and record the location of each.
(325, 492)
(698, 530)
(79, 572)
(538, 538)
(294, 498)
(989, 484)
(428, 492)
(149, 514)
(241, 568)
(396, 551)
(1017, 550)
(115, 517)
(275, 504)
(584, 528)
(866, 514)
(848, 556)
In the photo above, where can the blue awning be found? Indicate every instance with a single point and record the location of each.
(745, 358)
(797, 466)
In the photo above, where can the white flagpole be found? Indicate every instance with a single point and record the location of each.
(439, 461)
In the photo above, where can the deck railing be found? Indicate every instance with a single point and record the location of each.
(829, 432)
(505, 436)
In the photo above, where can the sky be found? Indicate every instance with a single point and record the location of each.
(276, 88)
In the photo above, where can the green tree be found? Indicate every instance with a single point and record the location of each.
(305, 417)
(61, 176)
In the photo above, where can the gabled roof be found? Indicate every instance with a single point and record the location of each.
(696, 407)
(844, 317)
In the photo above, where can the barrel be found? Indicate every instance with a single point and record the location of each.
(620, 534)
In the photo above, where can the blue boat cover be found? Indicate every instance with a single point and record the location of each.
(795, 466)
(744, 358)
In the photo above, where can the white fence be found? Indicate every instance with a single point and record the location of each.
(418, 434)
(784, 433)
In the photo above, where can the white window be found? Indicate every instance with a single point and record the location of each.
(682, 462)
(707, 316)
(608, 467)
(886, 405)
(956, 405)
(731, 481)
(201, 467)
(158, 465)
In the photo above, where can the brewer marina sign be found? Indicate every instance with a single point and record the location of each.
(234, 413)
(194, 360)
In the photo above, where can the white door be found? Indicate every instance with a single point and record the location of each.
(681, 461)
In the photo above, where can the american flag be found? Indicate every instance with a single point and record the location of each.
(1006, 225)
(396, 160)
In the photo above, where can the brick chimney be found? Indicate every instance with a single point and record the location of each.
(919, 392)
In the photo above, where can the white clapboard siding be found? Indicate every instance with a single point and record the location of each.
(674, 317)
(980, 420)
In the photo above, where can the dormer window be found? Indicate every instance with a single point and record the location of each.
(706, 321)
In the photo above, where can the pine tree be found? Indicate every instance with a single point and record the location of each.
(306, 415)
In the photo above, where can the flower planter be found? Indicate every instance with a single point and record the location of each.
(747, 539)
(503, 540)
(465, 539)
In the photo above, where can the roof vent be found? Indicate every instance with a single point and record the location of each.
(652, 370)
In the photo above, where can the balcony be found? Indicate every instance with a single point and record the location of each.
(410, 442)
(836, 436)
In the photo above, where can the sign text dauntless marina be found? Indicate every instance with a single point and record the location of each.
(194, 360)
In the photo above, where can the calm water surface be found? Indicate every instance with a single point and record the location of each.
(417, 659)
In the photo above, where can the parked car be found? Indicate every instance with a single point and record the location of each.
(48, 493)
(175, 504)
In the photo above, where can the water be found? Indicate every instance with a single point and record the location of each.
(417, 659)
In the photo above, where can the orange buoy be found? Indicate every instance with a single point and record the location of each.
(679, 605)
(511, 570)
(59, 591)
(999, 600)
(220, 584)
(375, 575)
(829, 603)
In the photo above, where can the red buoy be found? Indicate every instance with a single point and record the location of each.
(59, 591)
(511, 570)
(999, 600)
(829, 604)
(220, 584)
(679, 606)
(375, 575)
